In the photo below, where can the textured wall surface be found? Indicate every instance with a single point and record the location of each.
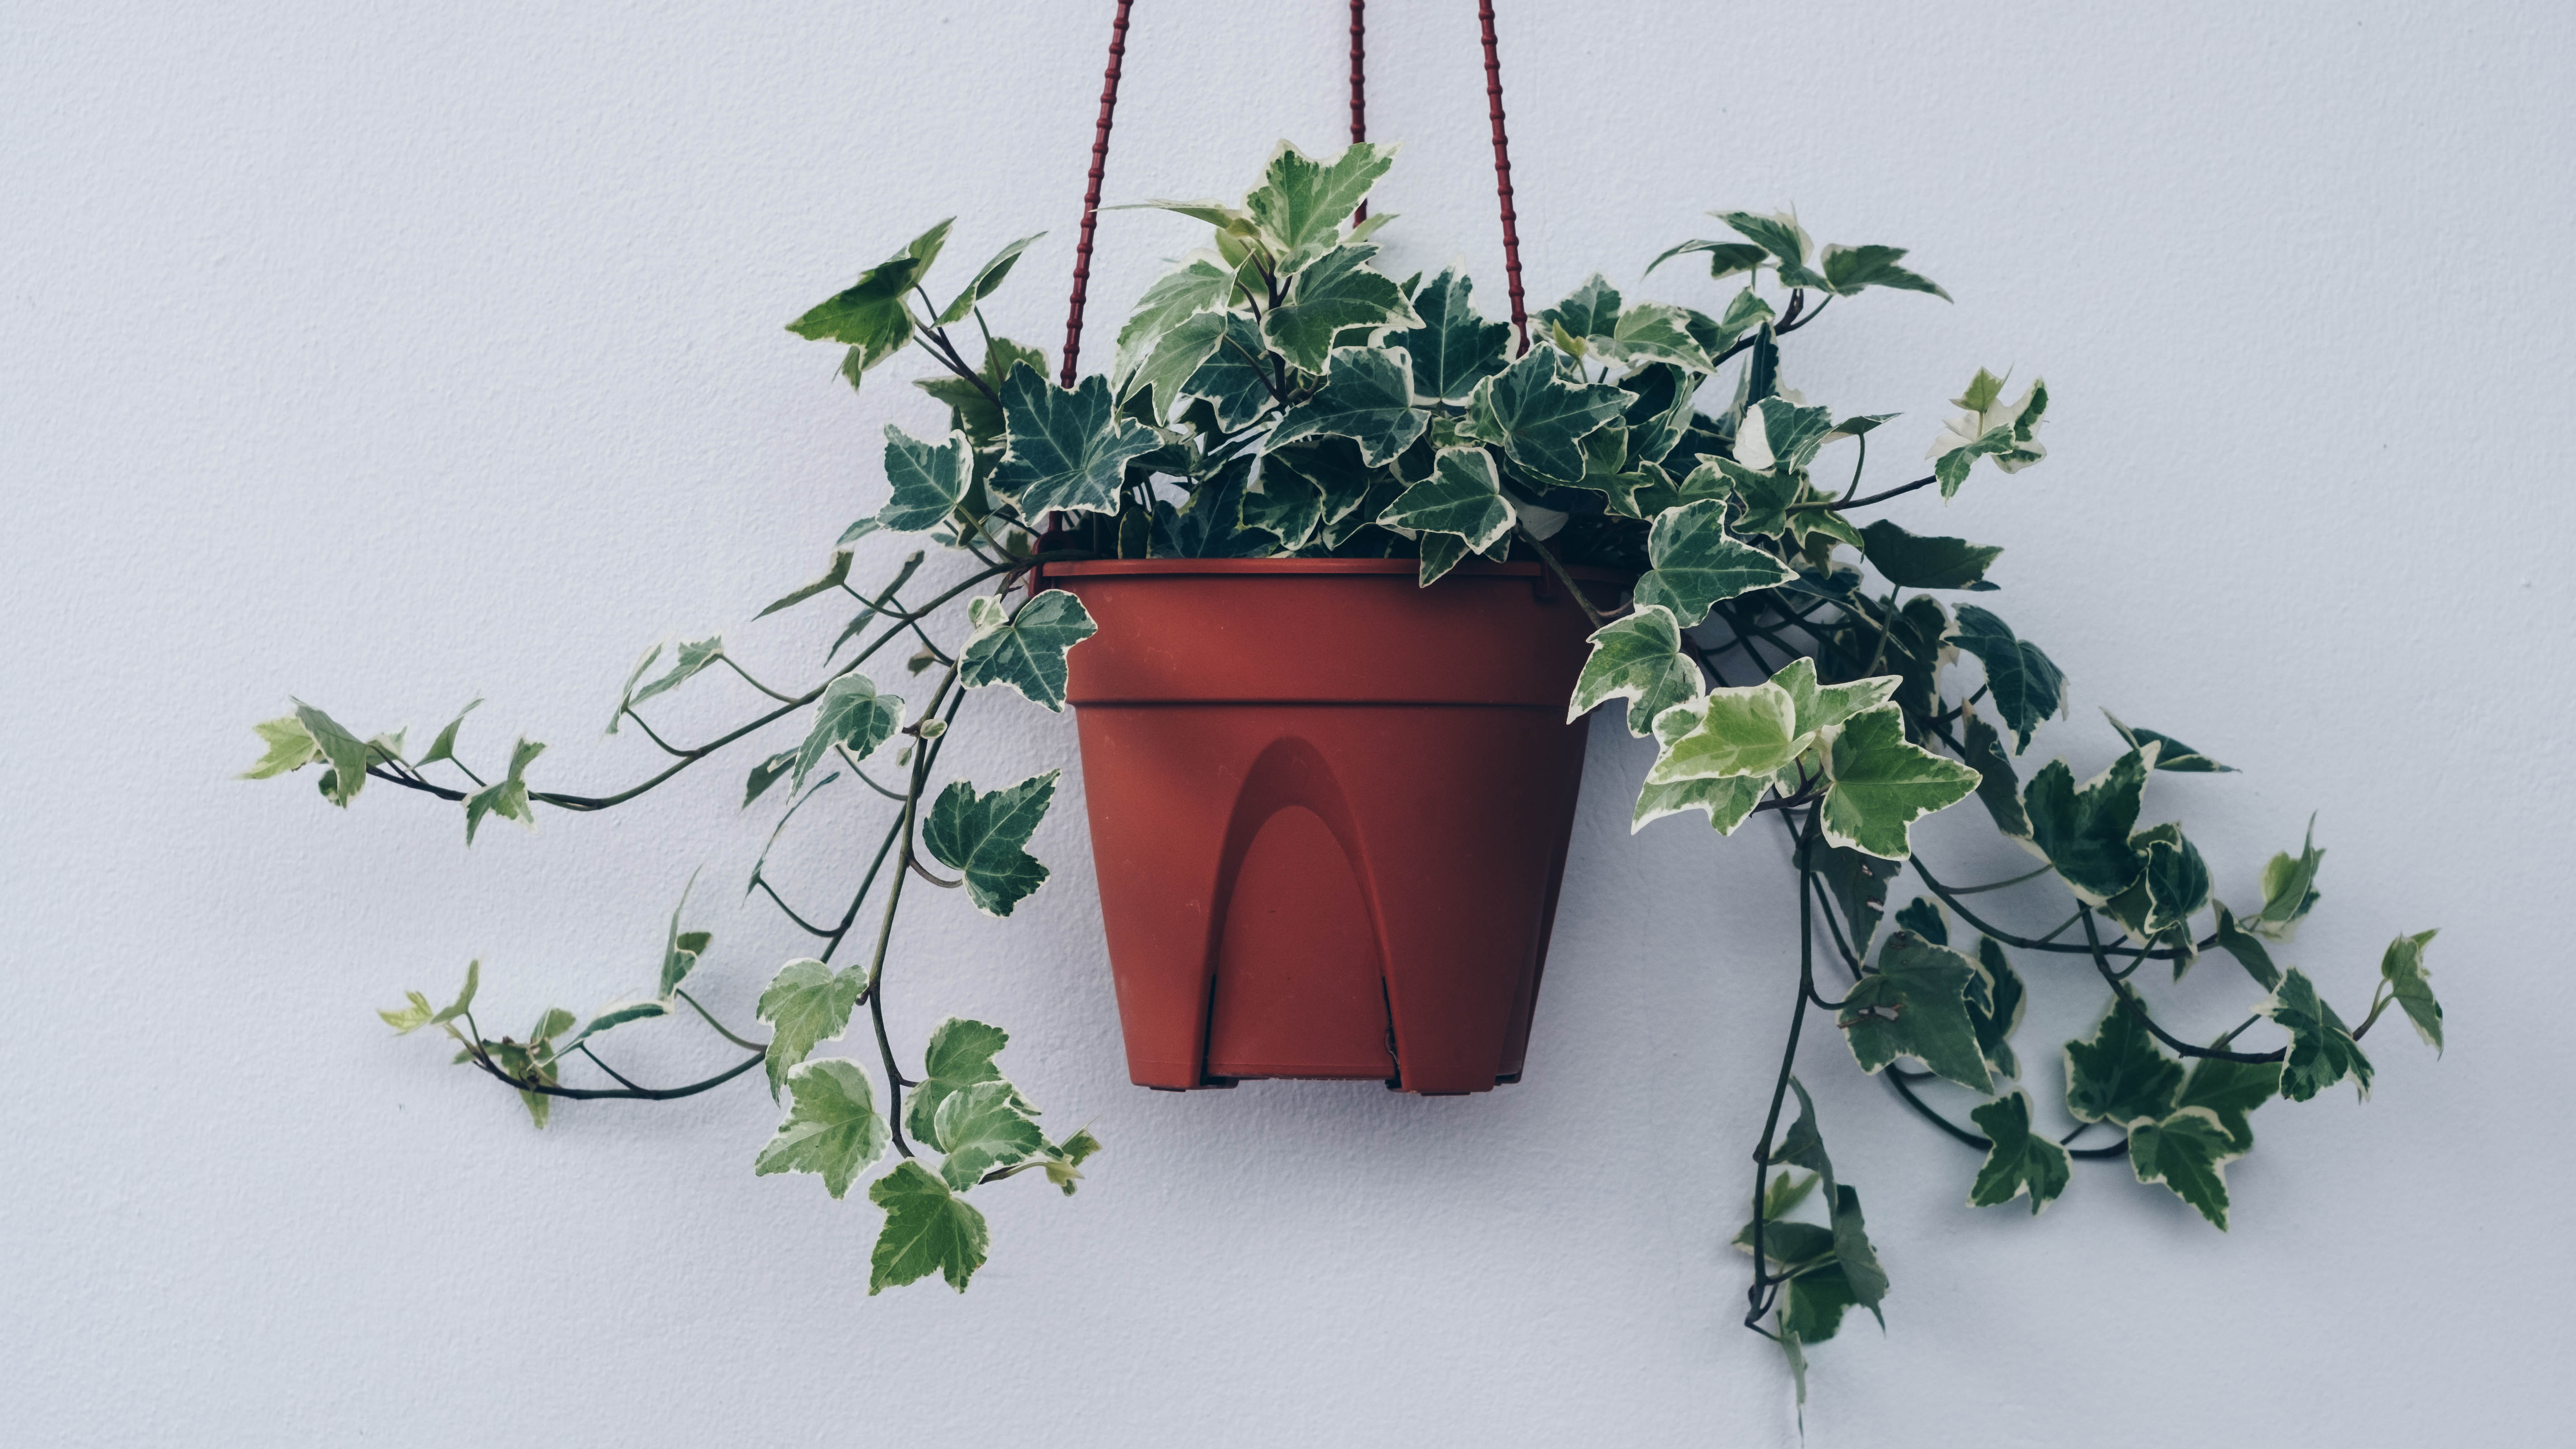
(388, 356)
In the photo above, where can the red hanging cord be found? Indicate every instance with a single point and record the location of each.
(1091, 195)
(1503, 171)
(1359, 85)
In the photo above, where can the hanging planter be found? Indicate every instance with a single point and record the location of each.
(1329, 812)
(1324, 563)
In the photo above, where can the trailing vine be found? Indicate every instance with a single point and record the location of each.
(1277, 395)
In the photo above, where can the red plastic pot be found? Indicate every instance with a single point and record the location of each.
(1329, 810)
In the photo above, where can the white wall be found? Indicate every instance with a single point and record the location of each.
(387, 356)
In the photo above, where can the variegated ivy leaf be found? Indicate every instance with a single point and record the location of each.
(1659, 411)
(1915, 1005)
(1326, 482)
(1065, 1159)
(2289, 889)
(988, 279)
(2402, 967)
(806, 1003)
(444, 746)
(979, 415)
(2246, 947)
(1995, 1003)
(927, 479)
(1804, 1146)
(1339, 293)
(1440, 552)
(928, 1229)
(1751, 731)
(509, 798)
(2119, 1075)
(346, 754)
(2026, 686)
(1025, 650)
(1858, 883)
(1990, 428)
(1883, 783)
(852, 715)
(1637, 659)
(2176, 881)
(1926, 561)
(1653, 332)
(417, 1013)
(2084, 832)
(2020, 1160)
(1284, 503)
(1201, 283)
(614, 1016)
(981, 1127)
(1538, 418)
(1781, 437)
(2229, 1091)
(2187, 1152)
(2172, 753)
(1729, 801)
(983, 838)
(1177, 358)
(1592, 311)
(1454, 348)
(870, 316)
(1696, 563)
(1725, 259)
(1998, 788)
(1367, 397)
(833, 1129)
(1850, 269)
(1765, 495)
(1237, 377)
(1463, 496)
(1211, 526)
(832, 578)
(960, 1055)
(2322, 1051)
(1301, 202)
(1781, 236)
(1067, 449)
(693, 657)
(290, 747)
(1821, 707)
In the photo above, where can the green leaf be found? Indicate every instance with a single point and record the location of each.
(978, 415)
(2402, 967)
(1065, 1159)
(1991, 428)
(1780, 437)
(407, 1019)
(692, 657)
(2085, 833)
(806, 1002)
(1067, 449)
(1883, 783)
(1637, 659)
(291, 747)
(2020, 1161)
(1178, 356)
(1696, 563)
(981, 1127)
(988, 279)
(852, 715)
(867, 314)
(2322, 1051)
(1236, 378)
(1659, 412)
(1782, 237)
(832, 578)
(2120, 1075)
(614, 1016)
(2246, 948)
(346, 753)
(1538, 418)
(1729, 801)
(1326, 487)
(2230, 1090)
(1849, 269)
(767, 773)
(927, 479)
(1858, 883)
(1926, 919)
(982, 837)
(509, 798)
(1995, 1006)
(1367, 398)
(2026, 686)
(1803, 1146)
(680, 949)
(1335, 294)
(1463, 496)
(1652, 332)
(1201, 283)
(2187, 1152)
(2289, 889)
(1752, 730)
(1025, 650)
(928, 1229)
(1302, 202)
(1916, 561)
(1823, 707)
(833, 1128)
(1454, 348)
(1997, 787)
(1592, 311)
(2172, 754)
(960, 1055)
(2177, 882)
(1725, 259)
(1915, 1005)
(444, 746)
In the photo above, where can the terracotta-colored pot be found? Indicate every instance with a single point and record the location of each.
(1330, 811)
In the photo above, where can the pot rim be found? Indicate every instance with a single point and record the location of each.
(1473, 568)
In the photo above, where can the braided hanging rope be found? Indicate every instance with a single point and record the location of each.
(1503, 171)
(1091, 194)
(1359, 84)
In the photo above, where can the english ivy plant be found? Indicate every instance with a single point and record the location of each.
(1278, 395)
